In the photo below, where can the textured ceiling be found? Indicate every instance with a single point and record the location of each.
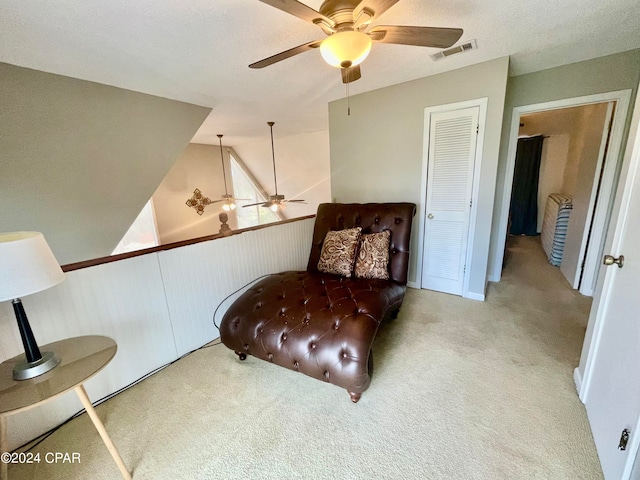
(197, 51)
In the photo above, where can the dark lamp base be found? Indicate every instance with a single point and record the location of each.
(25, 370)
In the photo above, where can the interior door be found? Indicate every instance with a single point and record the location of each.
(612, 396)
(451, 158)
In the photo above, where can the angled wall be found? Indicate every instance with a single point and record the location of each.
(79, 160)
(198, 166)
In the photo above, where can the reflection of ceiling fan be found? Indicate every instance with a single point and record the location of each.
(350, 33)
(276, 202)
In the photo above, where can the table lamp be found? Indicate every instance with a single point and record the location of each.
(27, 266)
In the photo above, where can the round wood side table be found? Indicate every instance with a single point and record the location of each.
(81, 358)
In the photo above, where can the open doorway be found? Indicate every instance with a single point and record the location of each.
(566, 162)
(591, 182)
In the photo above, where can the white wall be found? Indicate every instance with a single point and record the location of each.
(156, 307)
(554, 158)
(199, 167)
(302, 167)
(376, 152)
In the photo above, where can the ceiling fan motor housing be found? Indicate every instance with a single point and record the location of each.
(340, 11)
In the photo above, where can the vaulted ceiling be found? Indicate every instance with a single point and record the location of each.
(198, 51)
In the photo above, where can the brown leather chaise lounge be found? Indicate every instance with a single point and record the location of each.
(323, 324)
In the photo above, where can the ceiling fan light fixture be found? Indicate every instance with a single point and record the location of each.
(274, 207)
(229, 203)
(345, 49)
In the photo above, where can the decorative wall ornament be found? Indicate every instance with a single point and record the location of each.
(198, 202)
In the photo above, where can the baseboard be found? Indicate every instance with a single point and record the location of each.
(493, 278)
(475, 296)
(469, 295)
(577, 379)
(587, 292)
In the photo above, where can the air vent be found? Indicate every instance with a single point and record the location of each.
(470, 45)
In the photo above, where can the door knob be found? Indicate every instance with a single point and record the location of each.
(610, 260)
(430, 216)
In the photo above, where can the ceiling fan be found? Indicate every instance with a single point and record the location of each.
(347, 24)
(229, 201)
(276, 202)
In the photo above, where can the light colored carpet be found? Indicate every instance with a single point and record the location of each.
(461, 390)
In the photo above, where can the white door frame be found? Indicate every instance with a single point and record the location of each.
(622, 97)
(584, 277)
(482, 121)
(629, 169)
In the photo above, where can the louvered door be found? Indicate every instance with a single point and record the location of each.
(451, 159)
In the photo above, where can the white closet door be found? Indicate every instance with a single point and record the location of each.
(451, 159)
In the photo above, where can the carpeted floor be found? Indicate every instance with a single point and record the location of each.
(462, 390)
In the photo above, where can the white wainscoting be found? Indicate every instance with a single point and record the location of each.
(198, 277)
(156, 306)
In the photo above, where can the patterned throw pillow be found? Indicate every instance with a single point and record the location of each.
(372, 260)
(339, 251)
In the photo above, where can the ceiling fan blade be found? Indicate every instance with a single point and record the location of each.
(286, 54)
(269, 205)
(374, 8)
(419, 36)
(300, 10)
(351, 74)
(254, 204)
(296, 201)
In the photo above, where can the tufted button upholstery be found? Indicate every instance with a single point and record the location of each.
(328, 337)
(320, 324)
(373, 218)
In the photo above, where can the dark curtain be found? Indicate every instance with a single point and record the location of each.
(524, 195)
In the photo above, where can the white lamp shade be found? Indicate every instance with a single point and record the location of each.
(27, 265)
(345, 49)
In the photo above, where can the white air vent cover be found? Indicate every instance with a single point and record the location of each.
(470, 45)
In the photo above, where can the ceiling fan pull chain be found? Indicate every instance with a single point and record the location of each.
(348, 101)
